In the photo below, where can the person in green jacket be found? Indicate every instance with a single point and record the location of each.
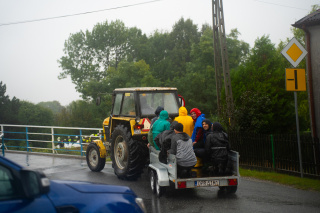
(160, 125)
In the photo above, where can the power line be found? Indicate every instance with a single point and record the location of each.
(281, 5)
(115, 8)
(78, 14)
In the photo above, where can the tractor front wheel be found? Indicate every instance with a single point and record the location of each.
(94, 161)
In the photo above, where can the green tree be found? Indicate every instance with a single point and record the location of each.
(83, 114)
(200, 91)
(128, 74)
(238, 50)
(8, 108)
(32, 114)
(184, 34)
(159, 48)
(90, 55)
(261, 78)
(54, 106)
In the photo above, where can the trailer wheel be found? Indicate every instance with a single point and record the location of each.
(128, 156)
(231, 189)
(153, 181)
(222, 188)
(160, 190)
(94, 161)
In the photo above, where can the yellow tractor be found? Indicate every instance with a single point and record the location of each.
(125, 131)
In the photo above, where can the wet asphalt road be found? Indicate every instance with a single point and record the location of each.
(252, 195)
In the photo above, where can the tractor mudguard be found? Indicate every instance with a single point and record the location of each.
(102, 148)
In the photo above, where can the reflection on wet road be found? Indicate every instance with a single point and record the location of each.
(252, 195)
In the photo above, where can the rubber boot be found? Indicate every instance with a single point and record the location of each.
(196, 172)
(199, 163)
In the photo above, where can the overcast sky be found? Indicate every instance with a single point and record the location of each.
(29, 51)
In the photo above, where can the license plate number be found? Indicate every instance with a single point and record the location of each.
(137, 131)
(207, 183)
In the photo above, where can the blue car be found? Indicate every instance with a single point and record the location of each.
(23, 190)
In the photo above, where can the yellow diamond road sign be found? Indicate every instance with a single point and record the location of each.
(294, 52)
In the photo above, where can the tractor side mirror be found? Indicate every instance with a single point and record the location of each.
(182, 102)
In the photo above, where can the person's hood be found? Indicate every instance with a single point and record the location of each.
(158, 110)
(183, 111)
(217, 127)
(173, 124)
(207, 121)
(183, 136)
(164, 115)
(197, 111)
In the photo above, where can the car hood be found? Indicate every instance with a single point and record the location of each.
(87, 187)
(90, 197)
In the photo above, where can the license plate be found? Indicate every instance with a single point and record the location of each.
(137, 131)
(207, 183)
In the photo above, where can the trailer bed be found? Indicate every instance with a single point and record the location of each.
(166, 174)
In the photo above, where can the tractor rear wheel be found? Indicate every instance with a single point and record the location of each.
(128, 156)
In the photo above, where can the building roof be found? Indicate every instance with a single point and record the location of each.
(310, 20)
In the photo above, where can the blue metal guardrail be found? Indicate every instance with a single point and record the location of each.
(46, 138)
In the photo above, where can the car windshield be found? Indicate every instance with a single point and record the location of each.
(150, 101)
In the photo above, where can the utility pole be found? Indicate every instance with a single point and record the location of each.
(221, 57)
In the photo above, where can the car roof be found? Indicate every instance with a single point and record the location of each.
(145, 89)
(9, 163)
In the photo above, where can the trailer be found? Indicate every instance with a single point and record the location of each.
(163, 175)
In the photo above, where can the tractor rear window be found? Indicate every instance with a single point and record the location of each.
(150, 101)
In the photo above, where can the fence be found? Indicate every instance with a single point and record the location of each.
(277, 152)
(48, 139)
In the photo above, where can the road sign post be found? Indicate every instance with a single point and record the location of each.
(295, 80)
(298, 133)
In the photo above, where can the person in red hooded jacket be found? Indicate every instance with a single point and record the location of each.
(197, 134)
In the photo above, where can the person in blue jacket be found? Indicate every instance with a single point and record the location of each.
(197, 134)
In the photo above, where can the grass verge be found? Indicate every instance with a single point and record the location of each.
(296, 182)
